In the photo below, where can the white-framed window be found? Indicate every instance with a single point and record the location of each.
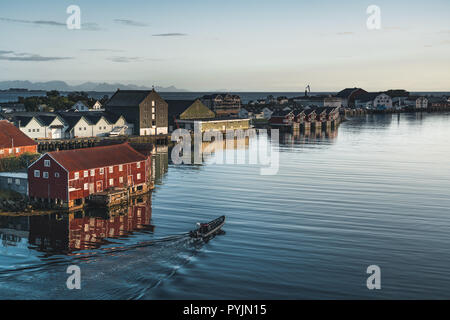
(153, 103)
(37, 173)
(17, 150)
(86, 173)
(76, 175)
(102, 171)
(86, 186)
(111, 169)
(111, 182)
(139, 176)
(2, 151)
(93, 173)
(120, 179)
(9, 180)
(56, 174)
(121, 168)
(138, 165)
(18, 182)
(47, 163)
(45, 175)
(10, 151)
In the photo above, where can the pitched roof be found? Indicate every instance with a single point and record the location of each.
(97, 157)
(346, 93)
(11, 135)
(128, 98)
(177, 107)
(197, 110)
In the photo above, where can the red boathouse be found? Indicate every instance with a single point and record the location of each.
(14, 142)
(71, 176)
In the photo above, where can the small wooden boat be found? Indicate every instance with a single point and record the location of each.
(206, 230)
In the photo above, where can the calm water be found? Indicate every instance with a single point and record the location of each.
(375, 192)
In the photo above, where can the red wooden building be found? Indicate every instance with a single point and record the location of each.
(69, 177)
(14, 142)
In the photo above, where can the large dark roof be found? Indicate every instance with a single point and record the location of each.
(128, 98)
(11, 135)
(177, 107)
(347, 92)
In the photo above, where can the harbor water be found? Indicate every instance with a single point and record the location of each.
(374, 192)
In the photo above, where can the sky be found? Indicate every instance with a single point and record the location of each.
(235, 45)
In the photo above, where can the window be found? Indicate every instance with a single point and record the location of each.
(29, 130)
(9, 180)
(92, 172)
(138, 176)
(2, 151)
(138, 165)
(45, 175)
(81, 128)
(18, 182)
(86, 186)
(76, 175)
(120, 179)
(56, 174)
(86, 174)
(102, 171)
(34, 130)
(47, 163)
(84, 128)
(121, 168)
(10, 151)
(37, 130)
(37, 173)
(111, 169)
(153, 103)
(100, 128)
(111, 182)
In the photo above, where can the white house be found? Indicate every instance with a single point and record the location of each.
(378, 101)
(97, 106)
(421, 103)
(80, 106)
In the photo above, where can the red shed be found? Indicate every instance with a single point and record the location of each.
(14, 142)
(70, 176)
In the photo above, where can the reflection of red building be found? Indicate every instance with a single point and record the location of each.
(88, 232)
(66, 233)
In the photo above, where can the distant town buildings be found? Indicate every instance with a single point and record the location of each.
(224, 105)
(145, 109)
(14, 142)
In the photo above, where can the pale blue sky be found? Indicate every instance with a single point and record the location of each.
(235, 45)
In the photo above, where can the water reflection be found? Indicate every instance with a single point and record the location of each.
(83, 230)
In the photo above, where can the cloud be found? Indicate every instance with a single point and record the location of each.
(170, 35)
(345, 33)
(102, 50)
(18, 56)
(85, 26)
(125, 59)
(131, 23)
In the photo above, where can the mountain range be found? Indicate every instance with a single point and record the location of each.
(87, 86)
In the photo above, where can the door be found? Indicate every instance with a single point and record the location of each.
(91, 188)
(99, 186)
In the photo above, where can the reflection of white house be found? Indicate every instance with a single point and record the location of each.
(421, 103)
(80, 106)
